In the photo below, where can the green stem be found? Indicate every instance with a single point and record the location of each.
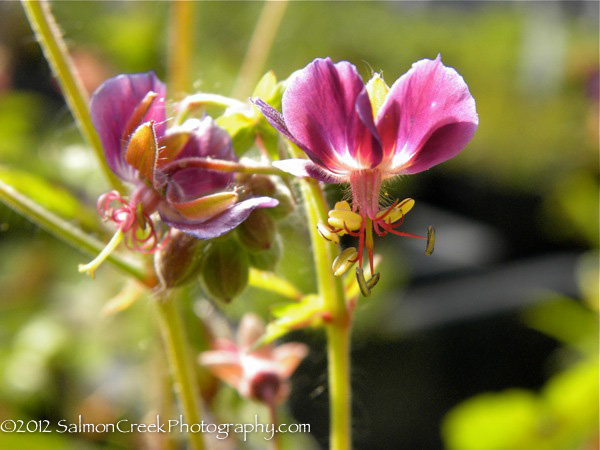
(181, 362)
(50, 39)
(66, 231)
(181, 46)
(331, 290)
(259, 47)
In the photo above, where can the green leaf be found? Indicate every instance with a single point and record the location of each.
(271, 282)
(293, 316)
(242, 130)
(493, 421)
(266, 86)
(567, 321)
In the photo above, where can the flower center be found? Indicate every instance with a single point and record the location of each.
(360, 221)
(133, 224)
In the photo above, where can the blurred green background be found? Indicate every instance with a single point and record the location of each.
(491, 343)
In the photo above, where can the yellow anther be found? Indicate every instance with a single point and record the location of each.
(399, 211)
(342, 206)
(327, 233)
(337, 219)
(344, 261)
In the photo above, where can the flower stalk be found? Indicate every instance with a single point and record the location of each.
(338, 330)
(49, 36)
(181, 364)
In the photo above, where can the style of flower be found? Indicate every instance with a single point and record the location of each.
(172, 170)
(364, 135)
(260, 374)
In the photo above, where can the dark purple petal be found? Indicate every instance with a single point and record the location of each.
(307, 168)
(429, 102)
(111, 107)
(326, 108)
(219, 225)
(186, 184)
(205, 140)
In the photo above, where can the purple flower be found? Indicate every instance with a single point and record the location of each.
(364, 135)
(166, 166)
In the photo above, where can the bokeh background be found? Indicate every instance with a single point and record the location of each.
(491, 343)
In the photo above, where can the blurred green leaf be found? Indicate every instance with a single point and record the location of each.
(55, 199)
(493, 421)
(242, 130)
(567, 321)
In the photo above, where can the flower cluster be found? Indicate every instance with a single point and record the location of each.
(170, 168)
(364, 134)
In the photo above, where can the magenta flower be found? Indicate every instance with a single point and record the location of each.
(364, 135)
(260, 374)
(167, 167)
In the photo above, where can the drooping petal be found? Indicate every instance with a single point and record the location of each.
(216, 226)
(428, 117)
(326, 108)
(307, 168)
(288, 357)
(113, 104)
(224, 365)
(251, 329)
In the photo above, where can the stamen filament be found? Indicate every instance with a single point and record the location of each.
(91, 267)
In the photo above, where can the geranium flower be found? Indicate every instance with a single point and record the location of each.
(364, 135)
(261, 374)
(168, 168)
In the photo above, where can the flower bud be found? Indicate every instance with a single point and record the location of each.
(267, 259)
(285, 206)
(261, 186)
(224, 269)
(180, 260)
(258, 231)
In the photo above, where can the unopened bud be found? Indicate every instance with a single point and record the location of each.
(257, 231)
(285, 206)
(261, 185)
(180, 260)
(225, 269)
(267, 259)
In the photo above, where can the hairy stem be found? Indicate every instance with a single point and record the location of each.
(331, 291)
(338, 330)
(259, 47)
(67, 232)
(221, 166)
(49, 36)
(181, 362)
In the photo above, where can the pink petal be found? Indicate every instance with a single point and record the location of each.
(224, 365)
(326, 109)
(428, 117)
(289, 356)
